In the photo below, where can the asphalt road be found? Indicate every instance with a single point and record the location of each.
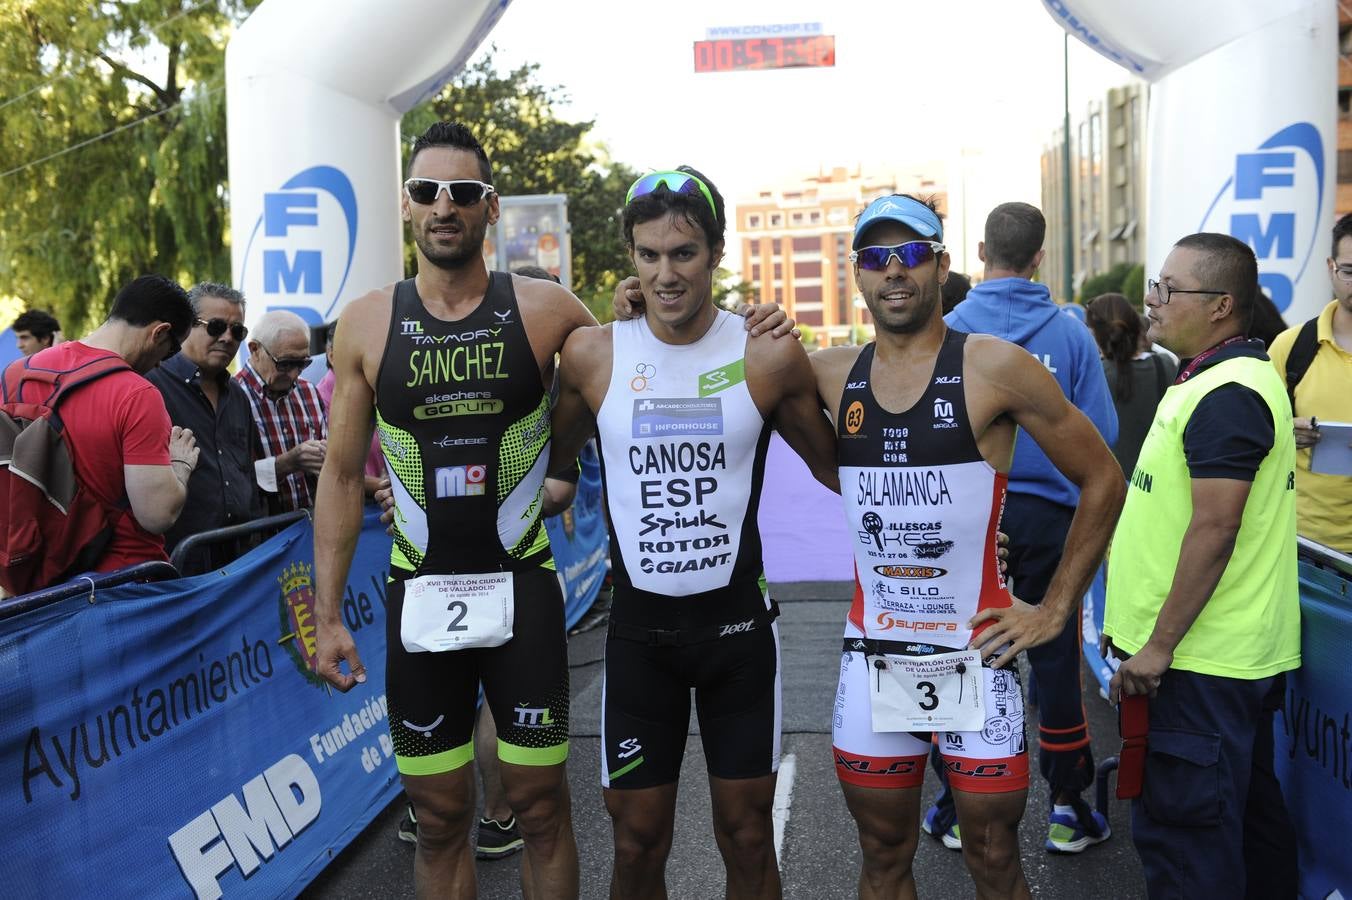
(820, 854)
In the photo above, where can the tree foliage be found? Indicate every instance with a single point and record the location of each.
(1109, 282)
(112, 148)
(534, 150)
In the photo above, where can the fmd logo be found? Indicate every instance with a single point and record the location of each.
(300, 251)
(1273, 201)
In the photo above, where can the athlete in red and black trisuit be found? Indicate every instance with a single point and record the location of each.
(926, 420)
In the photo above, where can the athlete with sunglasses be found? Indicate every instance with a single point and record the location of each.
(926, 418)
(683, 402)
(200, 395)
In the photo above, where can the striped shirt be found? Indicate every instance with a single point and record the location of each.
(296, 417)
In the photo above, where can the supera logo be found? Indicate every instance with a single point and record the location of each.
(300, 250)
(1272, 201)
(460, 481)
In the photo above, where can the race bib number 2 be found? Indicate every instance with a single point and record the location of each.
(943, 692)
(457, 612)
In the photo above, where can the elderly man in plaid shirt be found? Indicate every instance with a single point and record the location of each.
(287, 410)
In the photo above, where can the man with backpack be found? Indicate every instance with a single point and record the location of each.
(92, 473)
(1314, 358)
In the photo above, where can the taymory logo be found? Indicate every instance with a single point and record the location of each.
(299, 252)
(1272, 200)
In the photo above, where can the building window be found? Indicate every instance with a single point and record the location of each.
(797, 218)
(776, 220)
(814, 217)
(753, 221)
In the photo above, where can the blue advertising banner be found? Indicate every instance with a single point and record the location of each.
(171, 739)
(1091, 628)
(581, 541)
(1312, 736)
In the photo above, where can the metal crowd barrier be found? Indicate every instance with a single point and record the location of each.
(87, 584)
(183, 556)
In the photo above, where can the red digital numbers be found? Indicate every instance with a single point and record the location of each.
(749, 54)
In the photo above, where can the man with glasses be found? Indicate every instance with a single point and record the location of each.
(1202, 601)
(1315, 359)
(683, 403)
(1010, 305)
(287, 410)
(926, 417)
(200, 395)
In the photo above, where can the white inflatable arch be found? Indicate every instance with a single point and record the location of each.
(1243, 119)
(315, 91)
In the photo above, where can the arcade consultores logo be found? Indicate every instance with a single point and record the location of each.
(297, 610)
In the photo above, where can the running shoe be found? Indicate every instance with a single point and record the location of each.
(408, 827)
(1066, 834)
(497, 839)
(951, 838)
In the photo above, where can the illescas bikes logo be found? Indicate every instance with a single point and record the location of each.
(1272, 201)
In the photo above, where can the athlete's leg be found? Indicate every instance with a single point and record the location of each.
(443, 865)
(490, 773)
(745, 832)
(737, 695)
(526, 686)
(990, 841)
(642, 821)
(889, 829)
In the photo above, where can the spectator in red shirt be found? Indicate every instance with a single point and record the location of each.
(123, 446)
(287, 409)
(374, 472)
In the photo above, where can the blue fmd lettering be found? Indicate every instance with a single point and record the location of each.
(1256, 171)
(279, 215)
(302, 275)
(1279, 233)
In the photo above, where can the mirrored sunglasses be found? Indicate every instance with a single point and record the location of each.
(217, 327)
(464, 192)
(288, 365)
(910, 254)
(676, 182)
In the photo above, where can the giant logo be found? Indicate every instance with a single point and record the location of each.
(300, 250)
(1272, 201)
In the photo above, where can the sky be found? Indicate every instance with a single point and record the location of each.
(966, 91)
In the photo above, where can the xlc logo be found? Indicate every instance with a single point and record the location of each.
(460, 481)
(948, 379)
(1273, 202)
(943, 410)
(628, 747)
(533, 717)
(410, 326)
(739, 628)
(299, 253)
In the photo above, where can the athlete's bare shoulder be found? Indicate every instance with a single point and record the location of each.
(549, 311)
(832, 367)
(998, 361)
(369, 317)
(587, 358)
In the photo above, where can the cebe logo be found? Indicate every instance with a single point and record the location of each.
(1272, 202)
(299, 252)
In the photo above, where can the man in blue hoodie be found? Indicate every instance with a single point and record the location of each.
(1010, 305)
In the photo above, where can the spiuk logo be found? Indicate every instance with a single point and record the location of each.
(297, 610)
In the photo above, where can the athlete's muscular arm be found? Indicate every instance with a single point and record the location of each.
(338, 507)
(782, 384)
(1217, 510)
(584, 371)
(1003, 379)
(549, 313)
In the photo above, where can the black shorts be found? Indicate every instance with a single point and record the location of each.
(525, 682)
(646, 699)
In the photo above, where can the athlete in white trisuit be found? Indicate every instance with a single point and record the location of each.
(926, 419)
(684, 403)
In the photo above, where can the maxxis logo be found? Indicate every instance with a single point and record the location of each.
(297, 613)
(910, 571)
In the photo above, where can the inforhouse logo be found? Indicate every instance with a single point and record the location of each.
(1272, 200)
(297, 608)
(300, 250)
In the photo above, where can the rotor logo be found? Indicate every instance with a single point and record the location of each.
(297, 608)
(300, 250)
(1272, 201)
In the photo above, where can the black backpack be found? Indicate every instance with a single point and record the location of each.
(1302, 354)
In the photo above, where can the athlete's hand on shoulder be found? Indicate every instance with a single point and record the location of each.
(763, 317)
(336, 646)
(1014, 628)
(628, 302)
(1140, 674)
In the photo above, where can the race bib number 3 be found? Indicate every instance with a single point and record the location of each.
(928, 693)
(456, 612)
